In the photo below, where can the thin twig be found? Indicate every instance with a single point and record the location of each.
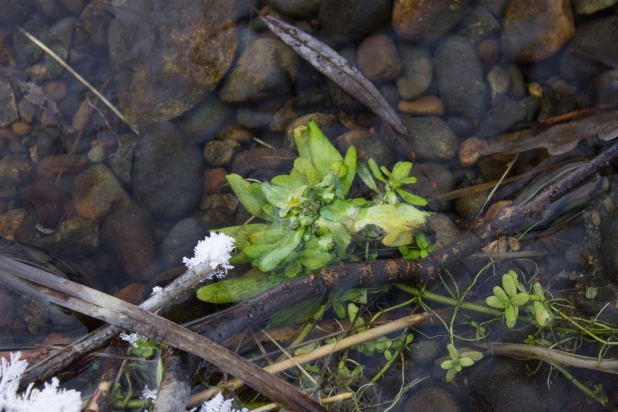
(77, 76)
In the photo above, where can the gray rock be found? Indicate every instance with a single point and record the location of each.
(168, 172)
(426, 21)
(592, 6)
(344, 20)
(431, 398)
(92, 24)
(8, 105)
(500, 118)
(300, 9)
(180, 241)
(461, 126)
(444, 229)
(504, 384)
(518, 84)
(122, 162)
(59, 40)
(128, 234)
(23, 47)
(417, 72)
(265, 69)
(162, 69)
(478, 24)
(431, 139)
(76, 238)
(367, 146)
(499, 82)
(15, 12)
(460, 77)
(604, 88)
(425, 351)
(532, 105)
(594, 41)
(96, 191)
(469, 206)
(440, 175)
(204, 121)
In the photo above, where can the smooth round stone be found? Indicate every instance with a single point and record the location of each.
(417, 72)
(426, 21)
(168, 173)
(378, 58)
(431, 139)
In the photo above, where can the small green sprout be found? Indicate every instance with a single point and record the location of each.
(423, 249)
(458, 361)
(393, 182)
(507, 298)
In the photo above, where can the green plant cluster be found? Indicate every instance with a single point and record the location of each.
(513, 295)
(310, 221)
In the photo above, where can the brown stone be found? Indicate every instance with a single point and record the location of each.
(10, 221)
(163, 69)
(378, 58)
(50, 166)
(220, 153)
(128, 234)
(96, 191)
(20, 129)
(426, 21)
(214, 180)
(56, 89)
(8, 106)
(11, 166)
(26, 111)
(536, 29)
(470, 151)
(133, 293)
(426, 105)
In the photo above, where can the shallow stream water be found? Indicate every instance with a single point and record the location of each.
(492, 91)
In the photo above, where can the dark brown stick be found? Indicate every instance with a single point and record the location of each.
(130, 317)
(175, 386)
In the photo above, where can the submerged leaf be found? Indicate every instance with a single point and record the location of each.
(237, 290)
(336, 68)
(249, 194)
(283, 248)
(315, 147)
(399, 222)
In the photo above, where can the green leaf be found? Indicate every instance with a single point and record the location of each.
(473, 354)
(237, 290)
(414, 200)
(401, 170)
(283, 197)
(283, 248)
(450, 375)
(353, 295)
(314, 259)
(352, 312)
(510, 314)
(305, 170)
(315, 147)
(339, 310)
(293, 269)
(270, 234)
(508, 283)
(452, 351)
(367, 178)
(421, 240)
(409, 338)
(249, 194)
(501, 294)
(376, 170)
(289, 181)
(346, 181)
(241, 236)
(408, 181)
(466, 361)
(388, 355)
(520, 299)
(494, 302)
(541, 313)
(399, 222)
(447, 364)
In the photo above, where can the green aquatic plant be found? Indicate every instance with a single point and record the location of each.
(310, 222)
(458, 361)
